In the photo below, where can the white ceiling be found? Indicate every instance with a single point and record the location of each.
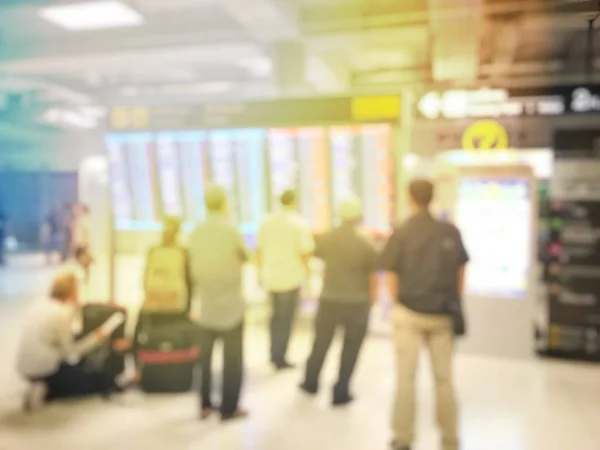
(196, 50)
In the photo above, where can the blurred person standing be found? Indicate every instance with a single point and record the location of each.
(50, 358)
(167, 281)
(66, 225)
(349, 288)
(51, 233)
(80, 237)
(285, 246)
(217, 255)
(425, 263)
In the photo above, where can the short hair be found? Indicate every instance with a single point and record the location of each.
(288, 198)
(350, 209)
(215, 198)
(64, 285)
(421, 191)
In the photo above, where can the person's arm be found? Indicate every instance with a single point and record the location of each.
(462, 261)
(147, 270)
(391, 263)
(461, 280)
(392, 284)
(242, 249)
(307, 248)
(189, 284)
(374, 287)
(72, 350)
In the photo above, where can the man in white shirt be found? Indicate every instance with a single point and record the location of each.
(49, 357)
(285, 246)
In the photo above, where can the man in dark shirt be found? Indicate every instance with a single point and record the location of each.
(424, 260)
(349, 287)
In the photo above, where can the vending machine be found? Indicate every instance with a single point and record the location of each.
(495, 208)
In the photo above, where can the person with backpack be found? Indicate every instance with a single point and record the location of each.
(166, 283)
(425, 261)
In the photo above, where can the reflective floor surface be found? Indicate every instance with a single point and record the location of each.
(506, 405)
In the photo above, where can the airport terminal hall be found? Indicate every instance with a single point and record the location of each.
(300, 224)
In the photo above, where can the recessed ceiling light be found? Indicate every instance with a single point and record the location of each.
(92, 15)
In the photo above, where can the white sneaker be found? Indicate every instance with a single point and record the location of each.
(35, 397)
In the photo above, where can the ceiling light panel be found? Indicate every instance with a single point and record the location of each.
(94, 15)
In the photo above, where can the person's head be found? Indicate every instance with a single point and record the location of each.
(215, 199)
(420, 194)
(350, 211)
(171, 227)
(288, 199)
(65, 287)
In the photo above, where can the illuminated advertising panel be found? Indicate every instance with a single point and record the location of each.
(494, 216)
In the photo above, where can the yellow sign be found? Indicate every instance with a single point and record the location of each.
(129, 118)
(376, 108)
(485, 135)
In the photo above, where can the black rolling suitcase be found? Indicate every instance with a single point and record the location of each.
(104, 358)
(167, 354)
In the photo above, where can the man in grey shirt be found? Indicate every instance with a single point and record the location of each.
(217, 254)
(349, 288)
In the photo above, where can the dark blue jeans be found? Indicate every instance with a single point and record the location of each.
(284, 306)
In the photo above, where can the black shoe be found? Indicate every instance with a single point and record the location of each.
(284, 366)
(239, 414)
(343, 401)
(395, 446)
(308, 389)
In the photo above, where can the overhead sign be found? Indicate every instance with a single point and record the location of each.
(295, 112)
(482, 103)
(485, 135)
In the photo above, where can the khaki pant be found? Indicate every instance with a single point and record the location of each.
(411, 331)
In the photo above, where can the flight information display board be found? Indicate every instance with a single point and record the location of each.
(298, 161)
(486, 209)
(193, 148)
(362, 165)
(377, 177)
(222, 167)
(345, 161)
(250, 176)
(236, 162)
(138, 153)
(169, 175)
(313, 177)
(119, 180)
(284, 169)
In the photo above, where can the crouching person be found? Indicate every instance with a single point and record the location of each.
(49, 356)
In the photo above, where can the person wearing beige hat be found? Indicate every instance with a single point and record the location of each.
(349, 289)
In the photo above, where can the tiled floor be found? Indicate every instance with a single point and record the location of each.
(506, 405)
